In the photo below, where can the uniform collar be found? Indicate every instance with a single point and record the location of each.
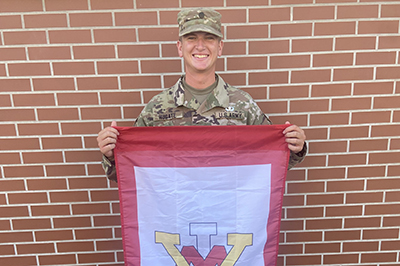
(219, 97)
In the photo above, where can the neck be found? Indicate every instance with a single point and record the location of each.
(200, 81)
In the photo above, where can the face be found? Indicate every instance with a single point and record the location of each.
(200, 51)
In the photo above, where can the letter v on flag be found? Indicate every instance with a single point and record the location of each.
(201, 195)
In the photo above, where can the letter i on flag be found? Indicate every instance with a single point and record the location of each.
(201, 195)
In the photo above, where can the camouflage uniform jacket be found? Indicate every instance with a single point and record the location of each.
(226, 105)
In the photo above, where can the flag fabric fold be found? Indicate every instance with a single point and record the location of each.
(201, 196)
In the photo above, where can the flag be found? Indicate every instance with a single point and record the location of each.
(201, 195)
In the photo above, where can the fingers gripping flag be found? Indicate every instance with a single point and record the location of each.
(201, 196)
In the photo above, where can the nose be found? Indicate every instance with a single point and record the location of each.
(200, 44)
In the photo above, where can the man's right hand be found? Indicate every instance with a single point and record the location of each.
(106, 140)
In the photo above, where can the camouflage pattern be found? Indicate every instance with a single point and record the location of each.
(199, 19)
(226, 105)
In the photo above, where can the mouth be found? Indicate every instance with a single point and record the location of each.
(200, 56)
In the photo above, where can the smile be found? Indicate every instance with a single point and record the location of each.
(200, 56)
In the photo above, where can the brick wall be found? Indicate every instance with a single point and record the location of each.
(67, 68)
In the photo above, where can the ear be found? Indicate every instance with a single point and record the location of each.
(220, 46)
(179, 47)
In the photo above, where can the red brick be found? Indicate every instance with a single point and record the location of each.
(45, 210)
(109, 245)
(160, 66)
(52, 5)
(80, 128)
(49, 53)
(77, 98)
(384, 130)
(247, 32)
(389, 245)
(23, 171)
(331, 90)
(304, 259)
(247, 63)
(61, 142)
(378, 257)
(18, 143)
(70, 36)
(384, 157)
(351, 104)
(268, 14)
(29, 69)
(97, 233)
(353, 74)
(348, 159)
(231, 16)
(25, 37)
(298, 61)
(101, 195)
(10, 54)
(241, 3)
(388, 72)
(349, 132)
(291, 30)
(75, 246)
(91, 208)
(45, 21)
(65, 170)
(57, 259)
(326, 199)
(33, 100)
(327, 146)
(355, 43)
(38, 129)
(36, 248)
(337, 28)
(158, 34)
(136, 18)
(363, 222)
(85, 183)
(7, 250)
(317, 224)
(58, 114)
(115, 35)
(360, 246)
(364, 197)
(94, 52)
(386, 42)
(136, 82)
(51, 84)
(13, 237)
(314, 13)
(75, 222)
(258, 78)
(376, 58)
(137, 51)
(342, 235)
(369, 145)
(21, 6)
(157, 4)
(10, 158)
(373, 88)
(97, 83)
(10, 22)
(90, 19)
(312, 45)
(8, 212)
(378, 209)
(109, 4)
(108, 220)
(101, 113)
(357, 11)
(69, 196)
(42, 157)
(378, 27)
(10, 85)
(307, 76)
(336, 59)
(347, 185)
(341, 259)
(268, 47)
(27, 198)
(288, 92)
(33, 224)
(51, 235)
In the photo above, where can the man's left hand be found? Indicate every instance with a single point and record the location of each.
(295, 137)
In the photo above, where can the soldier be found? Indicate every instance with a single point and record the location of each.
(200, 96)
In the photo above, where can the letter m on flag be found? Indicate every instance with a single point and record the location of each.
(201, 196)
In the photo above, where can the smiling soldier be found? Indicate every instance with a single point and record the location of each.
(200, 96)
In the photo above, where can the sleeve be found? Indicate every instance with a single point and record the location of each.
(109, 168)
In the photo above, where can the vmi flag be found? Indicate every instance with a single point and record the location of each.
(201, 195)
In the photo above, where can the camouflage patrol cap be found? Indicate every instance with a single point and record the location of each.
(199, 19)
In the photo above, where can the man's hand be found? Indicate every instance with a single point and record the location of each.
(106, 140)
(295, 137)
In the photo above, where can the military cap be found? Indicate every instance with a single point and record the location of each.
(199, 19)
